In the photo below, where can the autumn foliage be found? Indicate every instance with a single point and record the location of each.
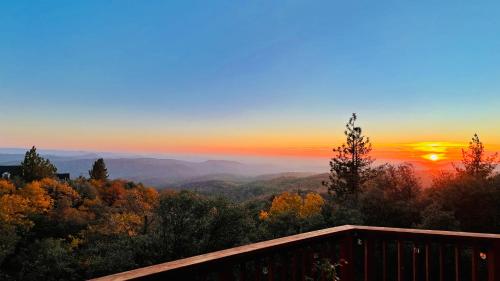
(69, 215)
(295, 205)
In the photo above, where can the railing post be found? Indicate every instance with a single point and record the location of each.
(347, 259)
(493, 258)
(427, 262)
(414, 260)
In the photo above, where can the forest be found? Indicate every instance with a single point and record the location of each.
(93, 226)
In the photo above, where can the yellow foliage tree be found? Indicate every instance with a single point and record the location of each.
(312, 205)
(14, 209)
(294, 204)
(17, 204)
(38, 197)
(286, 203)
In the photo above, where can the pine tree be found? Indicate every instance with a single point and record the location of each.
(99, 171)
(351, 167)
(474, 161)
(35, 167)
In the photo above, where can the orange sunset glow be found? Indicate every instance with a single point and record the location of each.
(261, 146)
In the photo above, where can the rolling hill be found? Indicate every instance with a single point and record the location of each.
(261, 187)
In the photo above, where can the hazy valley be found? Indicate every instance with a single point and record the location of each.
(231, 179)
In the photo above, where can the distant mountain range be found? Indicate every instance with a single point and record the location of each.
(156, 172)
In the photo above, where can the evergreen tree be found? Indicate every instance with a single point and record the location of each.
(99, 171)
(474, 161)
(35, 167)
(350, 168)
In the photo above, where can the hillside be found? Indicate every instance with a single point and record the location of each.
(259, 188)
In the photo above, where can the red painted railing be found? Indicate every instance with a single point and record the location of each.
(370, 253)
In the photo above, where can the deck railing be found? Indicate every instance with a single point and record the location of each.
(365, 253)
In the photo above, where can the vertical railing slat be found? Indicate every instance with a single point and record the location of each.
(270, 269)
(427, 263)
(243, 271)
(474, 263)
(414, 261)
(400, 260)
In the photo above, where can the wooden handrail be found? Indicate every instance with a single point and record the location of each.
(409, 233)
(368, 233)
(236, 252)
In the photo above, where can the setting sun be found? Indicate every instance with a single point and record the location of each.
(437, 150)
(434, 156)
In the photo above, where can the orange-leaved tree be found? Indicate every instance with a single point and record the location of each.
(293, 204)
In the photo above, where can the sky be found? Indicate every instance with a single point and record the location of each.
(250, 78)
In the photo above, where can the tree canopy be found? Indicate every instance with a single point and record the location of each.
(35, 167)
(99, 171)
(350, 168)
(474, 161)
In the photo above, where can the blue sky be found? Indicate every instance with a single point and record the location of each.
(163, 74)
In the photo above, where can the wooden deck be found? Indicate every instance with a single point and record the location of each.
(372, 253)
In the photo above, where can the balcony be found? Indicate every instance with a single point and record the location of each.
(365, 253)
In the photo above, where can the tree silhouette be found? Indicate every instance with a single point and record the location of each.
(350, 168)
(474, 161)
(99, 171)
(35, 167)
